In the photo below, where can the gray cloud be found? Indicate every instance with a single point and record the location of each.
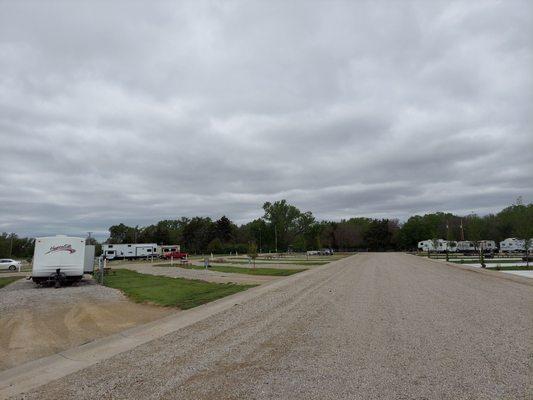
(138, 111)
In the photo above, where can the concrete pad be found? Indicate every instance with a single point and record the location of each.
(527, 274)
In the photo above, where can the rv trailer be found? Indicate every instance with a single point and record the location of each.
(58, 259)
(426, 245)
(510, 245)
(487, 246)
(88, 264)
(441, 245)
(129, 251)
(466, 246)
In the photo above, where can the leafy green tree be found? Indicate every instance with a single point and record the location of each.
(252, 251)
(215, 246)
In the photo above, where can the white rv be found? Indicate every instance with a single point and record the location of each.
(129, 251)
(487, 245)
(426, 245)
(439, 245)
(58, 259)
(466, 246)
(88, 265)
(512, 244)
(452, 246)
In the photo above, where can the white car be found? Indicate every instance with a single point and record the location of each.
(8, 263)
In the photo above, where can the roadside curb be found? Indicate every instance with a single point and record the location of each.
(33, 374)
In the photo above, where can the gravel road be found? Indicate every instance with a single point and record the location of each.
(372, 326)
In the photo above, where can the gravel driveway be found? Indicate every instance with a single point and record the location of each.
(372, 326)
(38, 321)
(204, 275)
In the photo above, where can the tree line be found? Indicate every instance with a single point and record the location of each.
(283, 227)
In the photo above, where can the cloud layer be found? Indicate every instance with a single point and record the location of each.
(134, 112)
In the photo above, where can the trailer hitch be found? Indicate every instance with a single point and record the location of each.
(58, 278)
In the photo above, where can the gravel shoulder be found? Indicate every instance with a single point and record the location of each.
(372, 326)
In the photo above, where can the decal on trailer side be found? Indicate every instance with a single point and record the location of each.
(64, 247)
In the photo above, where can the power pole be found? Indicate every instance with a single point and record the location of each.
(276, 237)
(11, 244)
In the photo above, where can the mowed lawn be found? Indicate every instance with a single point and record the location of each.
(8, 279)
(241, 270)
(170, 292)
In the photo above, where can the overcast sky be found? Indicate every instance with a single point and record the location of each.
(136, 112)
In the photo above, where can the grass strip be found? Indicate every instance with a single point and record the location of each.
(280, 262)
(170, 292)
(487, 261)
(241, 270)
(8, 279)
(513, 268)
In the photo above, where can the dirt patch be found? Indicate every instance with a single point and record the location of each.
(37, 322)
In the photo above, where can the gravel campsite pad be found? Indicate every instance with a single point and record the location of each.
(38, 321)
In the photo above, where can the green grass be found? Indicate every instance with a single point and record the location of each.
(170, 292)
(241, 270)
(511, 268)
(487, 261)
(8, 279)
(262, 262)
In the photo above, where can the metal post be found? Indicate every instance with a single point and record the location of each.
(102, 271)
(11, 245)
(171, 261)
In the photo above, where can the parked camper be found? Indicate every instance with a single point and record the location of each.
(426, 245)
(510, 245)
(438, 245)
(88, 264)
(466, 246)
(452, 246)
(488, 246)
(58, 259)
(129, 251)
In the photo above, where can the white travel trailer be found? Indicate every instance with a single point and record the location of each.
(466, 246)
(426, 245)
(452, 246)
(438, 245)
(512, 244)
(58, 259)
(487, 245)
(88, 264)
(129, 251)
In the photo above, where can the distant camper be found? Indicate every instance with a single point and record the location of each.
(488, 246)
(510, 245)
(466, 246)
(129, 251)
(61, 259)
(442, 245)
